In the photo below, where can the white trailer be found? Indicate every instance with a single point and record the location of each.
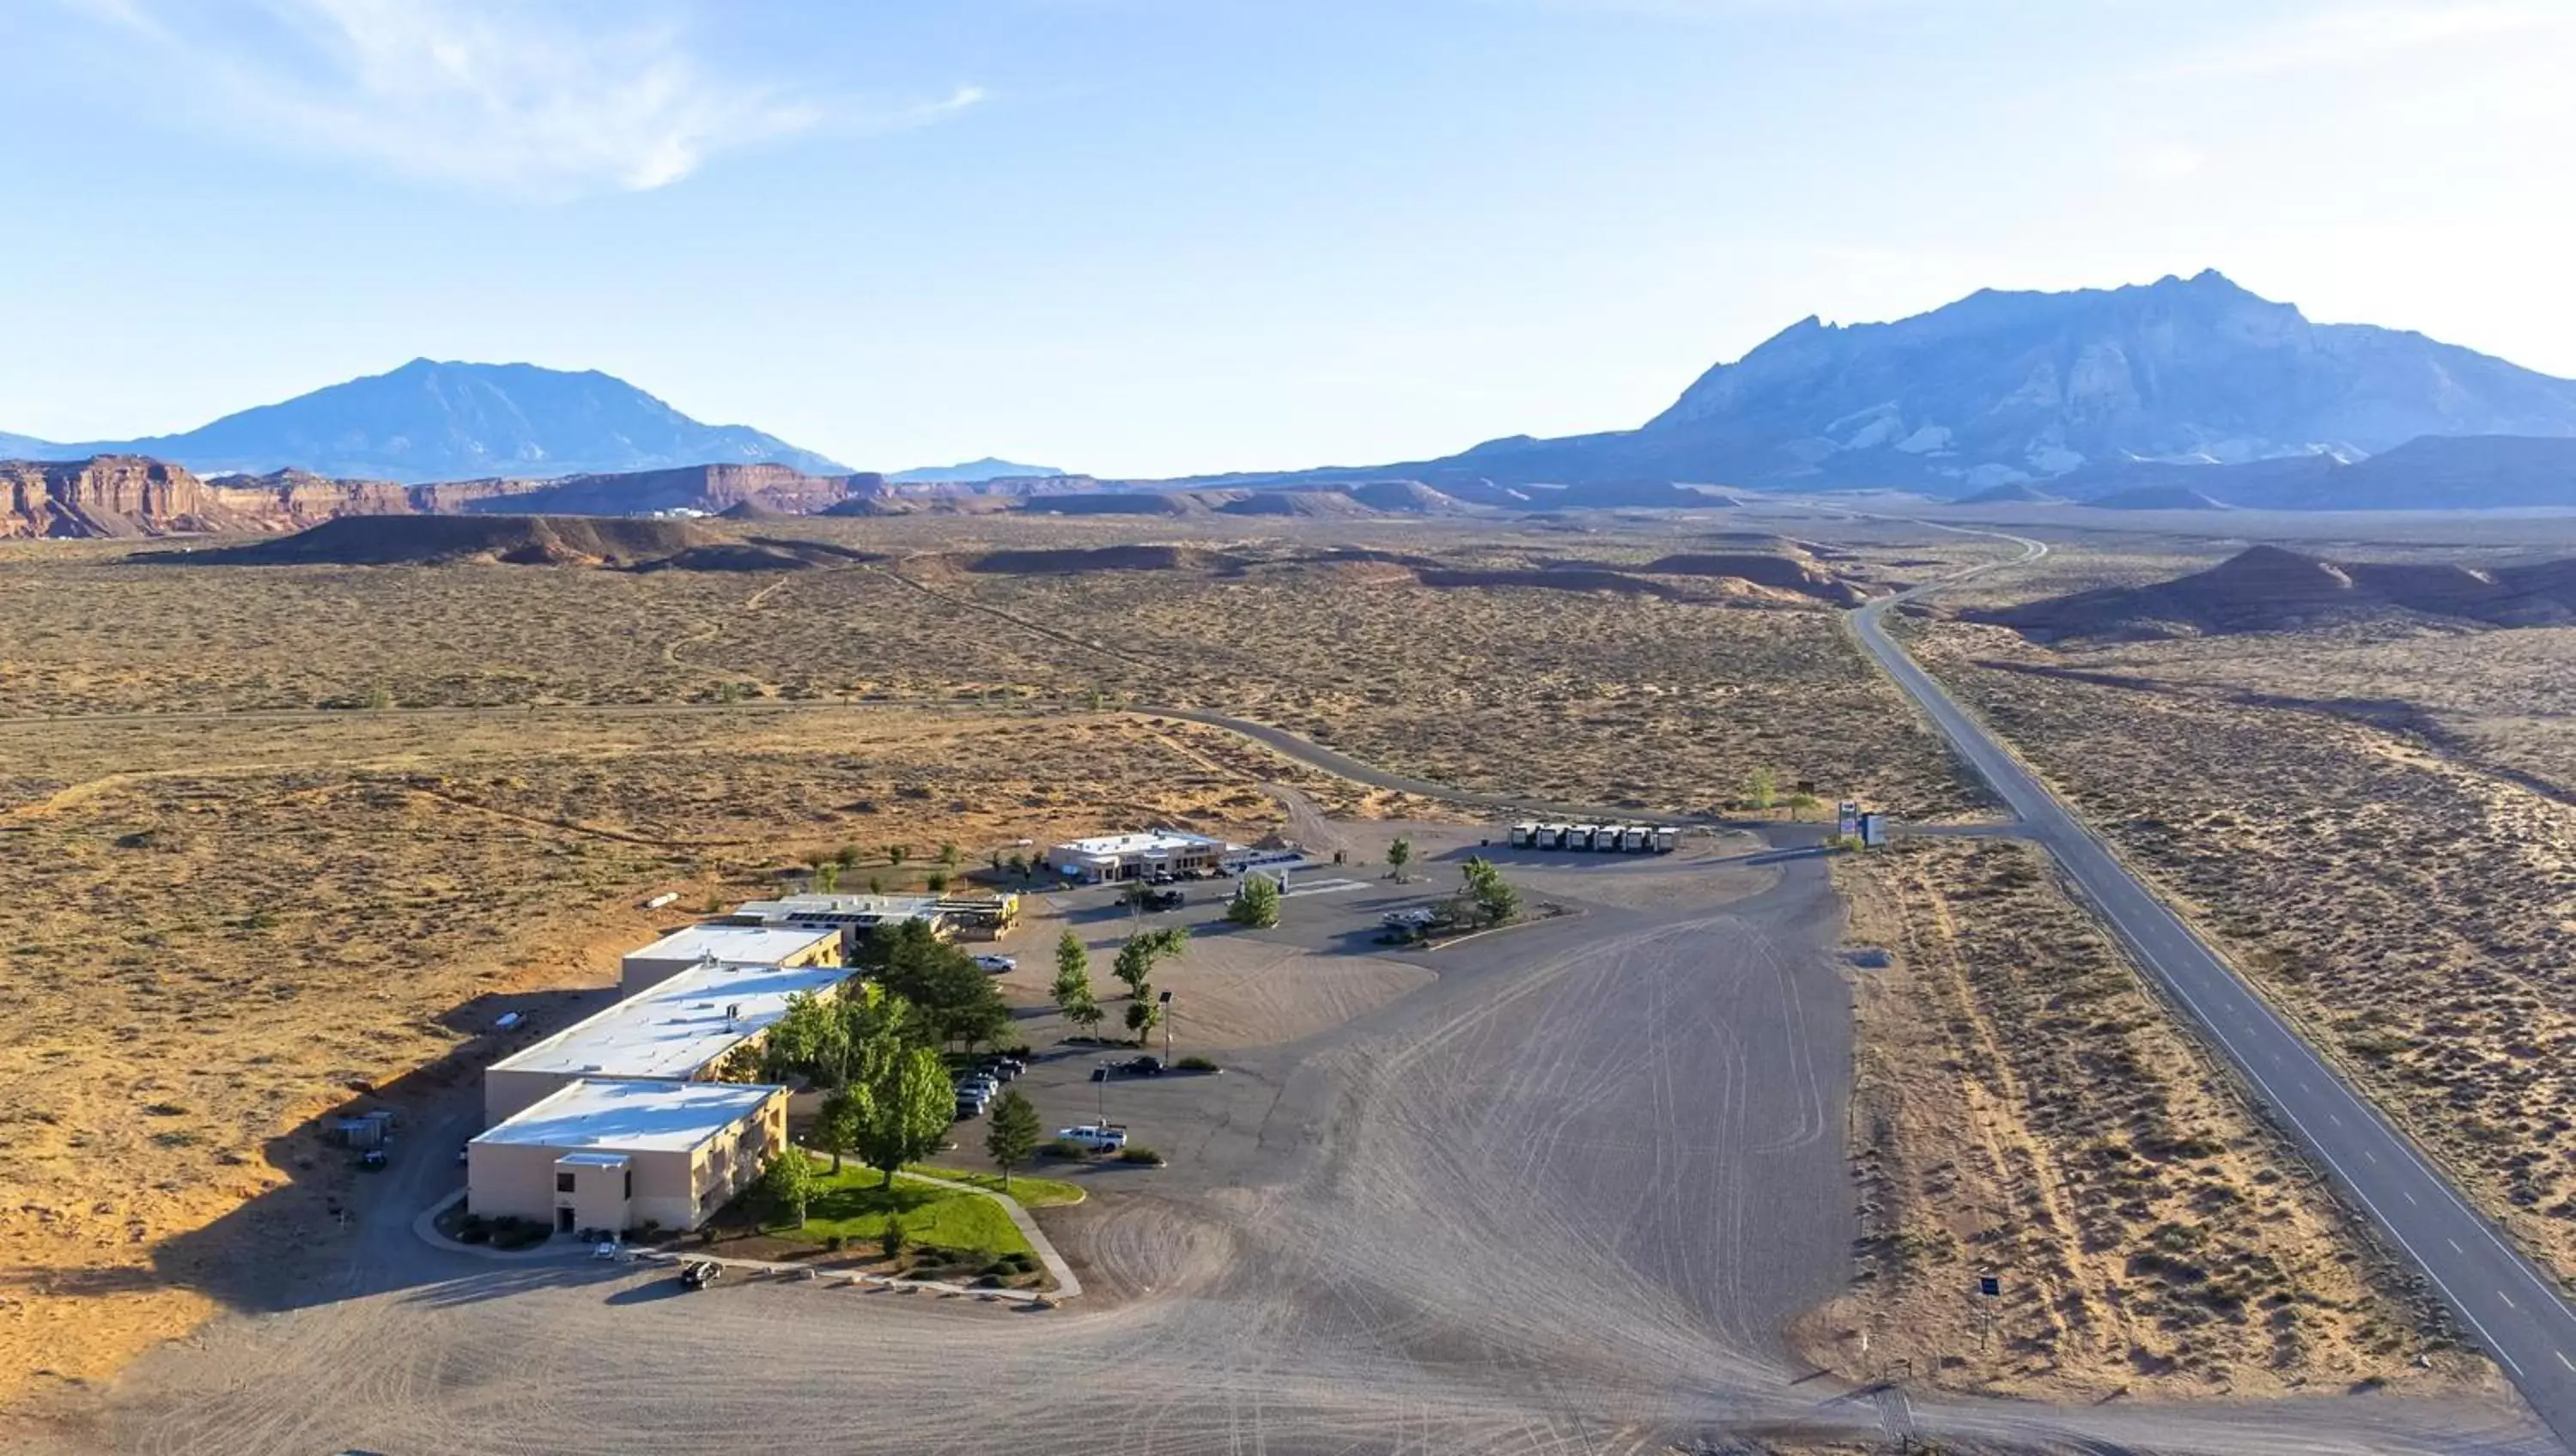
(1638, 839)
(1608, 838)
(1550, 836)
(1580, 836)
(1524, 836)
(1667, 840)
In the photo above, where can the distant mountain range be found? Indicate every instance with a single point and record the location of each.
(2009, 388)
(2178, 394)
(973, 472)
(432, 421)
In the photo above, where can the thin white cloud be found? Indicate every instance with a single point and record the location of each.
(510, 95)
(2345, 35)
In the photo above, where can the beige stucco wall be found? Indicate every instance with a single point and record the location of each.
(675, 1189)
(507, 1093)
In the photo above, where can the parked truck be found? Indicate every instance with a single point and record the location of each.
(1667, 840)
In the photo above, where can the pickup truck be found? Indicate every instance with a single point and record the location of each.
(1099, 1137)
(1154, 901)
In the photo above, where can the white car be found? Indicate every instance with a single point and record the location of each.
(1099, 1137)
(981, 1089)
(996, 964)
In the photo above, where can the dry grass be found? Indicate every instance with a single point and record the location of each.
(1585, 696)
(224, 927)
(2025, 1108)
(2375, 822)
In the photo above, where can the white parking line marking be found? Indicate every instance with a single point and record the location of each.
(2508, 1302)
(2455, 1246)
(2563, 1360)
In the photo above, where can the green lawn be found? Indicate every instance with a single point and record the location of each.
(1031, 1192)
(853, 1206)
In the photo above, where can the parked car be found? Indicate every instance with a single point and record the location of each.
(608, 1249)
(1143, 1067)
(1413, 919)
(996, 964)
(1153, 901)
(1004, 1068)
(983, 1084)
(699, 1273)
(1099, 1137)
(372, 1160)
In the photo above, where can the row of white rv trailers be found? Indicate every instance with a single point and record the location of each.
(1599, 838)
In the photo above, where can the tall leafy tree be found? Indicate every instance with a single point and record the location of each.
(1144, 1014)
(1398, 855)
(1136, 958)
(1013, 1137)
(908, 1113)
(1085, 1013)
(955, 999)
(1072, 971)
(836, 1128)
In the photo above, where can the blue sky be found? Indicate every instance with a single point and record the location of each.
(1158, 236)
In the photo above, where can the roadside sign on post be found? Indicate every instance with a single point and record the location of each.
(1990, 1286)
(1847, 819)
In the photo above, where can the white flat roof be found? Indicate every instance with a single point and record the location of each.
(1110, 846)
(673, 1029)
(607, 1116)
(883, 907)
(746, 945)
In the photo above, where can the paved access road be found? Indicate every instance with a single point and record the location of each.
(2521, 1320)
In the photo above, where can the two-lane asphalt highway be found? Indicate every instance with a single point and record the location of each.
(2511, 1305)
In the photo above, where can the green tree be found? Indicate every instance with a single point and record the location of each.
(1072, 972)
(1013, 1137)
(787, 1184)
(1398, 855)
(1255, 903)
(1761, 788)
(938, 881)
(895, 854)
(1136, 958)
(909, 1109)
(836, 1127)
(1802, 804)
(892, 1241)
(1086, 1013)
(847, 856)
(1019, 864)
(827, 877)
(942, 983)
(950, 855)
(1494, 898)
(876, 884)
(1144, 1014)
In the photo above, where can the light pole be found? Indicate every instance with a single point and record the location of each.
(1166, 999)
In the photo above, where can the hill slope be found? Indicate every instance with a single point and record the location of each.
(2003, 387)
(2267, 589)
(429, 421)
